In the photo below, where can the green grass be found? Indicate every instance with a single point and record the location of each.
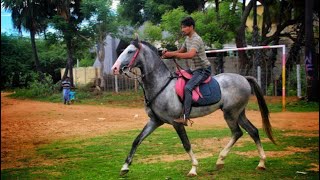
(101, 157)
(122, 99)
(294, 106)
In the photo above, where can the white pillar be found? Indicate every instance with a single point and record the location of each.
(298, 81)
(85, 75)
(259, 75)
(116, 83)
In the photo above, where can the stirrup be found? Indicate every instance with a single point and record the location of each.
(183, 120)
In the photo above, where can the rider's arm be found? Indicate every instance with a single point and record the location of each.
(181, 54)
(186, 55)
(181, 50)
(164, 52)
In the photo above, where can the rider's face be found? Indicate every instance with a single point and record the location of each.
(186, 30)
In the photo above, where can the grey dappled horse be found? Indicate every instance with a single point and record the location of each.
(163, 105)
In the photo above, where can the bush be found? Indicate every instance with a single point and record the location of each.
(291, 83)
(37, 88)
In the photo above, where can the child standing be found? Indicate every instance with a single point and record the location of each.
(72, 95)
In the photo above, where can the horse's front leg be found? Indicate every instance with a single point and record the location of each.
(187, 146)
(147, 130)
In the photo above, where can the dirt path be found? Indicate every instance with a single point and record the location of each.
(25, 124)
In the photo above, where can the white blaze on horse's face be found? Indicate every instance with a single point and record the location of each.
(124, 59)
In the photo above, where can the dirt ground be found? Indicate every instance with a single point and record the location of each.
(26, 124)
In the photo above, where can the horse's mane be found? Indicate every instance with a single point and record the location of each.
(136, 43)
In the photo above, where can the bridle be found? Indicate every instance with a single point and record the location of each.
(139, 77)
(135, 55)
(129, 66)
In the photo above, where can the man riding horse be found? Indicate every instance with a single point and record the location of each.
(163, 104)
(192, 48)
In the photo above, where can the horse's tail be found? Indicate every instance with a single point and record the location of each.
(262, 106)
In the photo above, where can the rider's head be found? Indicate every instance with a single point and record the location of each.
(187, 25)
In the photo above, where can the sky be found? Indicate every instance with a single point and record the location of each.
(7, 25)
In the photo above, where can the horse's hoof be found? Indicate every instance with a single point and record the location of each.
(261, 168)
(219, 166)
(192, 174)
(124, 172)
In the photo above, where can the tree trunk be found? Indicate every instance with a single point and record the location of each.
(201, 5)
(35, 54)
(266, 22)
(311, 74)
(217, 9)
(101, 56)
(255, 39)
(244, 64)
(69, 67)
(65, 74)
(243, 5)
(293, 55)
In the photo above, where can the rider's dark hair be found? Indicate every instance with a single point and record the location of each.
(188, 21)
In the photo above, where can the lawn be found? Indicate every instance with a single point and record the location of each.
(161, 156)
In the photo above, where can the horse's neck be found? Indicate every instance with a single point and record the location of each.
(156, 76)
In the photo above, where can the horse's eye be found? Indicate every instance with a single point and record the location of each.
(130, 52)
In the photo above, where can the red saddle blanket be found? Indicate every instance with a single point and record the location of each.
(183, 77)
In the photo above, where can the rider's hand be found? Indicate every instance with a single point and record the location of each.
(164, 52)
(169, 54)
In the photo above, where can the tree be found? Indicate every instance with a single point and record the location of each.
(52, 53)
(67, 18)
(311, 62)
(255, 39)
(16, 61)
(241, 39)
(217, 28)
(131, 10)
(170, 21)
(102, 24)
(152, 32)
(139, 11)
(31, 16)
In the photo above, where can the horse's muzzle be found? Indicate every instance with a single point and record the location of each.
(124, 69)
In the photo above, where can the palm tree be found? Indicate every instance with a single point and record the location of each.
(31, 16)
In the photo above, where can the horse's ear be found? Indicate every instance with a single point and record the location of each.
(136, 41)
(136, 37)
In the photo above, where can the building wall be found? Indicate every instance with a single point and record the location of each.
(83, 75)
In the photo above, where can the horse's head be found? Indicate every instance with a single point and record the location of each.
(128, 58)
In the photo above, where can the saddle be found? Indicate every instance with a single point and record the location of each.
(207, 93)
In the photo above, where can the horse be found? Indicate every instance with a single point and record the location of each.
(162, 104)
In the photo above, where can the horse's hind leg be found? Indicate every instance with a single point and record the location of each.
(232, 121)
(147, 130)
(187, 146)
(254, 133)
